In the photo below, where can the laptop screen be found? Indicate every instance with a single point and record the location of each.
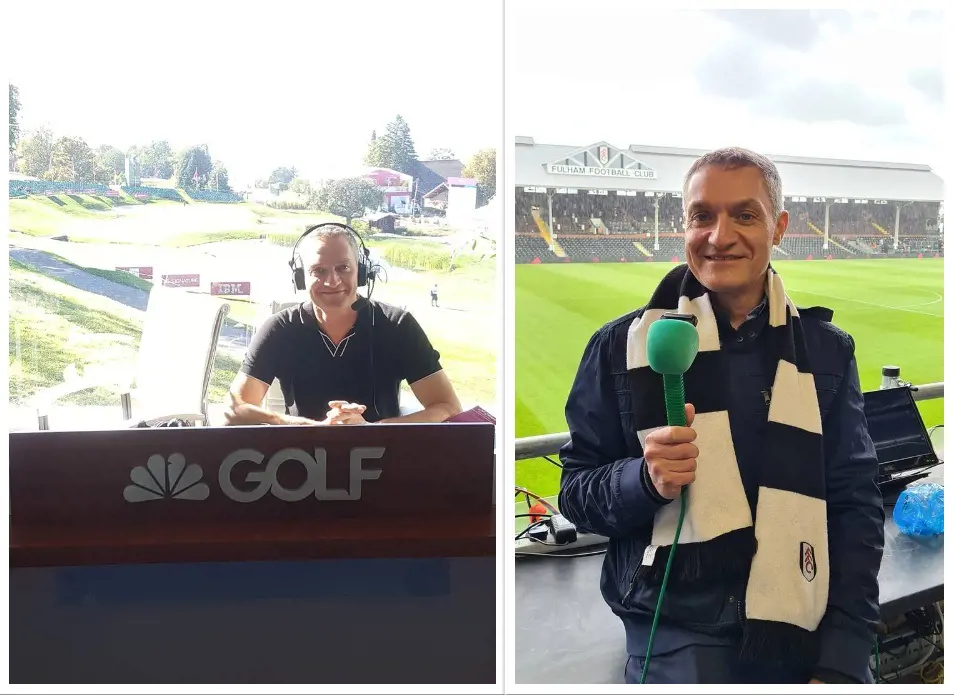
(896, 428)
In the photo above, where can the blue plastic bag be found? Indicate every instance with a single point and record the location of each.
(919, 510)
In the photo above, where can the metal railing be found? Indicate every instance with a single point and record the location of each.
(548, 444)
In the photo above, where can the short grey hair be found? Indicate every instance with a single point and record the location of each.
(321, 234)
(736, 158)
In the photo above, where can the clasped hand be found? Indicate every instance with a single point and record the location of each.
(345, 413)
(671, 456)
(341, 413)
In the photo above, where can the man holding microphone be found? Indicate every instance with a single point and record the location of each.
(774, 576)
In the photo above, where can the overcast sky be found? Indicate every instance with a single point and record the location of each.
(267, 85)
(858, 85)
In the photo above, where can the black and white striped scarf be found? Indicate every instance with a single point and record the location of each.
(784, 553)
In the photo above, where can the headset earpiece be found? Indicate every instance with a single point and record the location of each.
(299, 276)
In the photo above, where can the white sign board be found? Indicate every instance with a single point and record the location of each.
(601, 171)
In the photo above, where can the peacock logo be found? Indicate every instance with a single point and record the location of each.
(160, 479)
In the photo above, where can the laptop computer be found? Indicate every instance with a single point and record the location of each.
(901, 441)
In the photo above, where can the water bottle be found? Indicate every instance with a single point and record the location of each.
(919, 510)
(890, 377)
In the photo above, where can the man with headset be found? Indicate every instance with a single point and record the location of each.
(340, 358)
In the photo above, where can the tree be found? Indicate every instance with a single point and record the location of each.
(483, 167)
(394, 149)
(35, 153)
(14, 117)
(282, 177)
(110, 164)
(300, 187)
(156, 160)
(441, 153)
(374, 157)
(193, 167)
(219, 178)
(347, 198)
(73, 160)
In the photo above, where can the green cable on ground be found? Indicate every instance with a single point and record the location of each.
(676, 416)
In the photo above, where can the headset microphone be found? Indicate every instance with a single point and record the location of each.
(672, 344)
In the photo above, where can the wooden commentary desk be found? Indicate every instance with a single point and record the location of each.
(254, 554)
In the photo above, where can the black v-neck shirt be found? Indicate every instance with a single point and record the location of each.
(385, 346)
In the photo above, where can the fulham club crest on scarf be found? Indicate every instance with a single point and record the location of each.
(806, 559)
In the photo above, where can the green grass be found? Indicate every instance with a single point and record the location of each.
(241, 311)
(177, 241)
(892, 308)
(54, 325)
(86, 219)
(197, 238)
(40, 216)
(120, 277)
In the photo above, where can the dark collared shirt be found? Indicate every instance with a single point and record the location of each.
(385, 347)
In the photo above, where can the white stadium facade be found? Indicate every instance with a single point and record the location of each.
(604, 203)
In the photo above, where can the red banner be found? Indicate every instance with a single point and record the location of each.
(231, 289)
(143, 272)
(187, 280)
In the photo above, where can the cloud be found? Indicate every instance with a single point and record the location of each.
(798, 30)
(930, 16)
(735, 71)
(929, 82)
(745, 73)
(813, 83)
(820, 102)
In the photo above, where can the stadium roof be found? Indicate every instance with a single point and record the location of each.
(650, 168)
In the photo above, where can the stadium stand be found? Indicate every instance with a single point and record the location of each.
(615, 227)
(604, 203)
(21, 188)
(213, 196)
(152, 193)
(533, 249)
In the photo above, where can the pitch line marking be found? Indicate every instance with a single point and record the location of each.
(880, 306)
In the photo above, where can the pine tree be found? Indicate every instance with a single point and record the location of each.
(394, 149)
(403, 156)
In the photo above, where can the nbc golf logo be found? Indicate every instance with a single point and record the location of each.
(160, 479)
(173, 479)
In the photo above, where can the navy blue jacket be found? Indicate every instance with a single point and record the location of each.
(605, 490)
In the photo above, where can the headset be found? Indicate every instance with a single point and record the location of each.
(367, 269)
(367, 275)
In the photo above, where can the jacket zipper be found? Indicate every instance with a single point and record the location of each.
(632, 589)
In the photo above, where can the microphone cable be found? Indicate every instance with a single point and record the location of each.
(673, 365)
(359, 305)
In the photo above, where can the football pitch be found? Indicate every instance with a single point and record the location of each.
(894, 309)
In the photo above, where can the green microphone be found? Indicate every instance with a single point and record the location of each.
(672, 344)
